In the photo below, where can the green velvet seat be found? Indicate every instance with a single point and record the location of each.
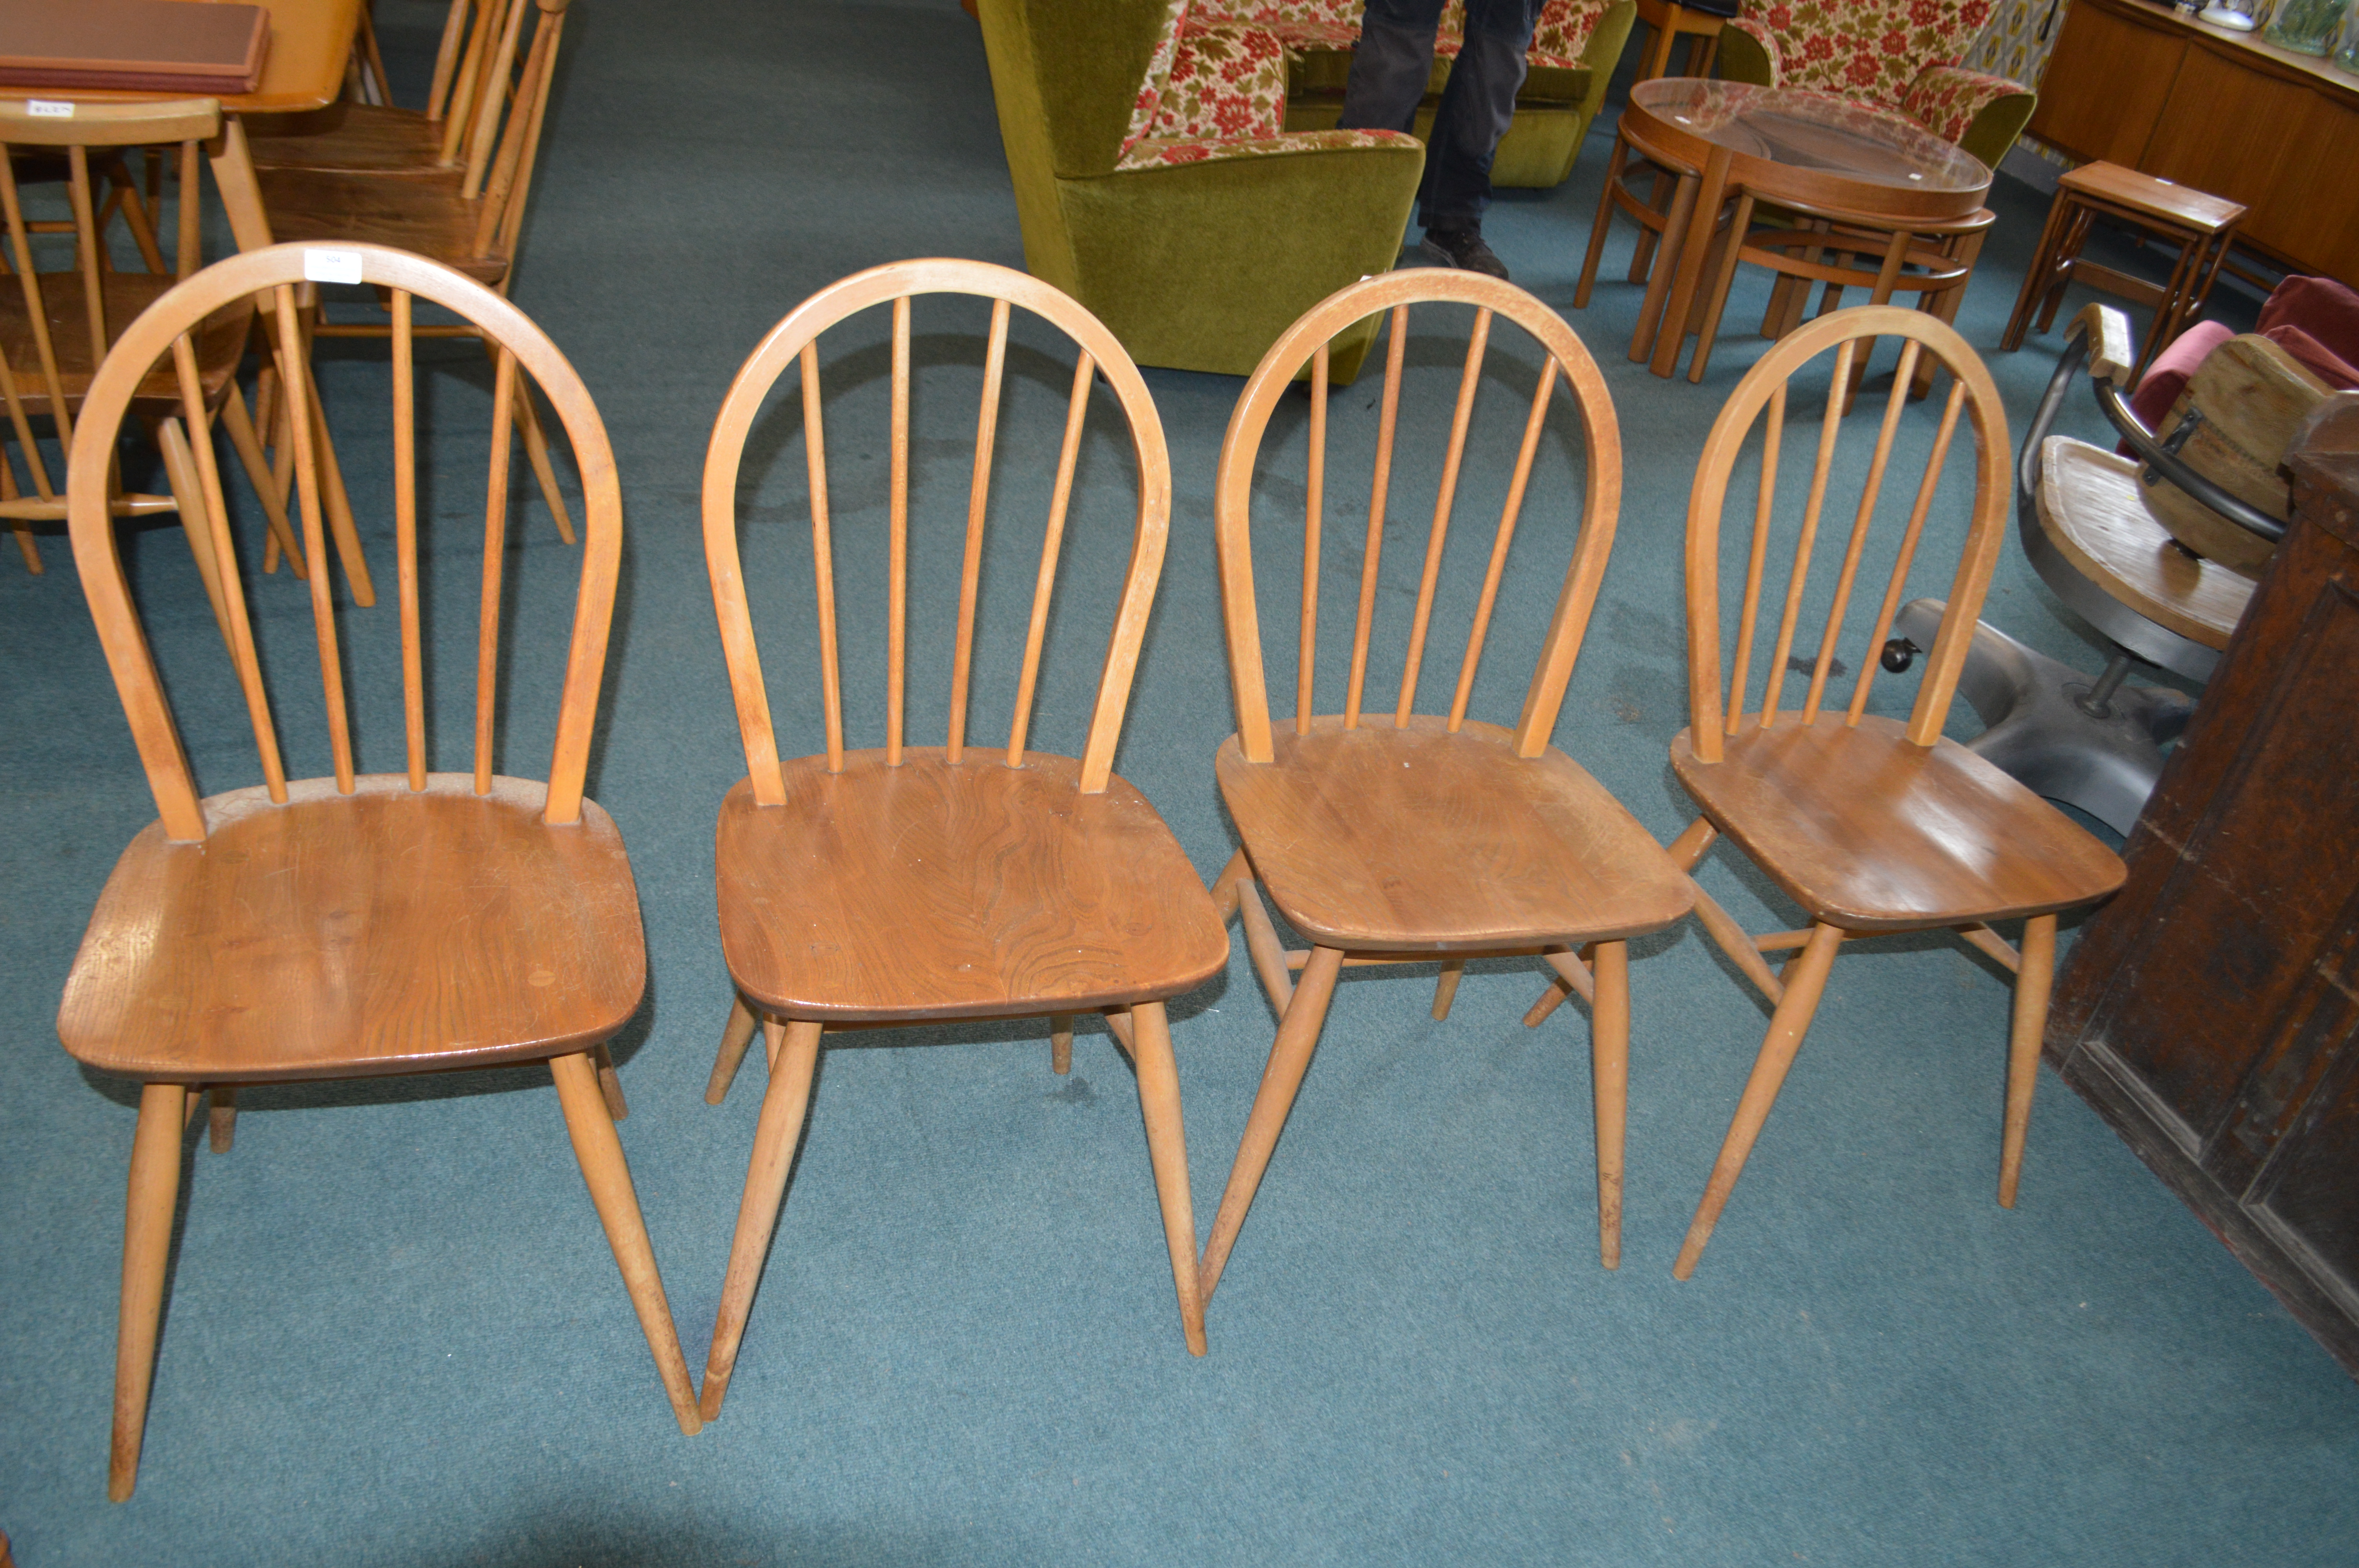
(1194, 245)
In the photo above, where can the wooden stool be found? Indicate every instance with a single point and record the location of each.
(1672, 22)
(2201, 226)
(1662, 214)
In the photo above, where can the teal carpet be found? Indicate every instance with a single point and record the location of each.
(395, 1334)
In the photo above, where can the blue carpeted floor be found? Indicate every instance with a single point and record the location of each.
(396, 1335)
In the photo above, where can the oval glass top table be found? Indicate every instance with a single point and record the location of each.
(1782, 144)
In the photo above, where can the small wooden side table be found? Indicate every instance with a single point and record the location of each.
(2201, 226)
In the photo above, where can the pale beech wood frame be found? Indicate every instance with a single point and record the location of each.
(793, 339)
(1594, 960)
(278, 270)
(1306, 341)
(1905, 851)
(588, 1094)
(791, 1041)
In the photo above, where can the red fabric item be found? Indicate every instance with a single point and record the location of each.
(2314, 357)
(2325, 310)
(2166, 378)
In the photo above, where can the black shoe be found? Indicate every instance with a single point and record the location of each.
(1463, 247)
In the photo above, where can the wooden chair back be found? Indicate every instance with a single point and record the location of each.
(795, 339)
(521, 347)
(493, 117)
(27, 124)
(1307, 340)
(1718, 708)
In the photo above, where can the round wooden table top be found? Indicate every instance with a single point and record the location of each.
(1798, 145)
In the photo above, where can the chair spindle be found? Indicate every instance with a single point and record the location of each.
(1924, 504)
(1394, 353)
(1870, 494)
(1773, 438)
(294, 374)
(897, 568)
(831, 675)
(1076, 413)
(1508, 517)
(1438, 536)
(496, 530)
(986, 434)
(405, 535)
(1314, 507)
(1807, 541)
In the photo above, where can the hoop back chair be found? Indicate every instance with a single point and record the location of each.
(1416, 836)
(218, 953)
(907, 885)
(1872, 825)
(60, 325)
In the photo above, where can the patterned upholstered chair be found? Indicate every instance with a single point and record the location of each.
(1573, 54)
(1156, 181)
(1896, 54)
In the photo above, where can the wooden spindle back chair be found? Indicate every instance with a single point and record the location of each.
(468, 218)
(974, 879)
(56, 326)
(206, 961)
(1465, 839)
(1871, 824)
(475, 80)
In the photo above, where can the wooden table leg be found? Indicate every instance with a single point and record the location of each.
(1695, 242)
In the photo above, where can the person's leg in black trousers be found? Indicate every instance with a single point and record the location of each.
(1390, 68)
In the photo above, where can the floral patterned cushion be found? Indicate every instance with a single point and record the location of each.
(1224, 82)
(1562, 36)
(1944, 98)
(1158, 74)
(1161, 152)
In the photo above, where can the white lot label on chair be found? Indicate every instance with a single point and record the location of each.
(331, 266)
(49, 108)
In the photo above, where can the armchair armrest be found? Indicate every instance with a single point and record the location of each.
(1748, 52)
(1225, 83)
(1981, 112)
(1163, 152)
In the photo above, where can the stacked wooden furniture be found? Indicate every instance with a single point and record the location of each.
(498, 914)
(2202, 227)
(2208, 1012)
(913, 884)
(1417, 836)
(2134, 83)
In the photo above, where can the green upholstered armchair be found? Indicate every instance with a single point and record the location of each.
(1894, 54)
(1156, 184)
(1573, 53)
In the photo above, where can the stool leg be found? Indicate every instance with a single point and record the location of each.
(1604, 219)
(2043, 256)
(1731, 252)
(2068, 260)
(1659, 281)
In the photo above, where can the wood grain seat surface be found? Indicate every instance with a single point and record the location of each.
(1379, 839)
(2089, 507)
(962, 891)
(1869, 831)
(219, 342)
(352, 139)
(422, 212)
(384, 932)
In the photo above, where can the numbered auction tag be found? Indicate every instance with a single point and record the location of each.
(331, 266)
(48, 109)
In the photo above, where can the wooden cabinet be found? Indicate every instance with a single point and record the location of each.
(2135, 83)
(2210, 1012)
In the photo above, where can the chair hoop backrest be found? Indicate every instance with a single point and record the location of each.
(796, 338)
(1307, 340)
(1716, 709)
(163, 329)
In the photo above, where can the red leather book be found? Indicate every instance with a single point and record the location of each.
(159, 46)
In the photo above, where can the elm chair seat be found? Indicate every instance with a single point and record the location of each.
(1954, 838)
(817, 899)
(1421, 840)
(539, 956)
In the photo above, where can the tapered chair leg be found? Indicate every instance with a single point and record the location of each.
(221, 1126)
(600, 1151)
(2031, 985)
(774, 1137)
(1061, 1051)
(1445, 990)
(735, 1035)
(610, 1084)
(1804, 983)
(1167, 1148)
(1609, 1072)
(1290, 1059)
(147, 1253)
